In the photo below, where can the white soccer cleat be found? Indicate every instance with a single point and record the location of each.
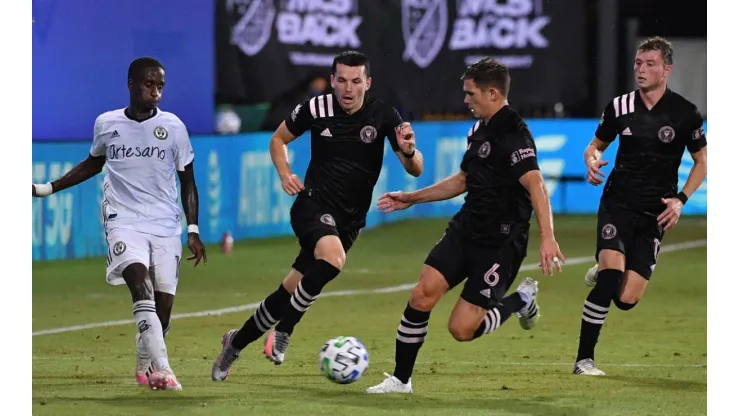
(530, 313)
(222, 366)
(164, 380)
(275, 345)
(143, 363)
(390, 385)
(587, 367)
(591, 274)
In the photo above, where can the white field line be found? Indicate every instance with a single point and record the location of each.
(392, 289)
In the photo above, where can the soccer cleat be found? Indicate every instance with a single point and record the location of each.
(222, 365)
(164, 380)
(530, 313)
(391, 384)
(143, 363)
(590, 278)
(587, 367)
(275, 345)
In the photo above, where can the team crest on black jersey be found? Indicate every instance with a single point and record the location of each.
(328, 220)
(484, 150)
(160, 133)
(666, 134)
(608, 232)
(368, 134)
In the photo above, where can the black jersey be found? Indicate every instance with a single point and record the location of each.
(651, 146)
(497, 204)
(346, 153)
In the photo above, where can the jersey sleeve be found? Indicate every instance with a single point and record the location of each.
(184, 153)
(392, 120)
(521, 155)
(693, 132)
(300, 119)
(98, 145)
(608, 128)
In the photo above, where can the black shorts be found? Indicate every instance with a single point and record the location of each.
(636, 235)
(490, 270)
(310, 223)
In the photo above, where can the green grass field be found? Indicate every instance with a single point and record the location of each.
(654, 355)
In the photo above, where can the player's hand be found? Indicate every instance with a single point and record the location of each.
(669, 217)
(394, 201)
(595, 175)
(550, 253)
(292, 184)
(406, 138)
(197, 248)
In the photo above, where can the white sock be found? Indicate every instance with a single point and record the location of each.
(150, 329)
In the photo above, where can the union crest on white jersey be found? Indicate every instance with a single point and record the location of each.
(140, 186)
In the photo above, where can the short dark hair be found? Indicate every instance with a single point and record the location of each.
(487, 73)
(658, 43)
(351, 58)
(138, 65)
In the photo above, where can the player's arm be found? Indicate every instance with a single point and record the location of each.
(80, 173)
(696, 143)
(605, 134)
(447, 188)
(290, 129)
(403, 142)
(523, 165)
(184, 161)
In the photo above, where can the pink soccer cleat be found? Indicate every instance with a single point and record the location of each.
(164, 380)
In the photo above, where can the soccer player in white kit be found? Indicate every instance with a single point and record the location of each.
(143, 148)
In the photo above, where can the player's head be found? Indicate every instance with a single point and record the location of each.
(653, 63)
(350, 79)
(145, 82)
(486, 86)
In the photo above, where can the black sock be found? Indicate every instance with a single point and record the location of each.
(264, 317)
(318, 276)
(410, 336)
(595, 310)
(498, 315)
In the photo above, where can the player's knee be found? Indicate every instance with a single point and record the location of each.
(612, 259)
(461, 333)
(139, 284)
(626, 303)
(329, 249)
(422, 298)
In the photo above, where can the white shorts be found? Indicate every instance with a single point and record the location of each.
(161, 256)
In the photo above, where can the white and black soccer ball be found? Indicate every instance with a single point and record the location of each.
(343, 360)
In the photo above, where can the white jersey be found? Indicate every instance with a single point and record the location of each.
(142, 157)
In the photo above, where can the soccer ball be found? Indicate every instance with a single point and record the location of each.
(343, 360)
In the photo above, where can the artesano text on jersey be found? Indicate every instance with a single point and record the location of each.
(142, 158)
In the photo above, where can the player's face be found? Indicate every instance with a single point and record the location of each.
(650, 69)
(350, 84)
(147, 91)
(479, 101)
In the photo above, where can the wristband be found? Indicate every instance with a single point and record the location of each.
(682, 197)
(410, 155)
(44, 189)
(193, 228)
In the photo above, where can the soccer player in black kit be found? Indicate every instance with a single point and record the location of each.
(486, 241)
(348, 131)
(640, 199)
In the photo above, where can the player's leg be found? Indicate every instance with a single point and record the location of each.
(164, 273)
(641, 262)
(614, 231)
(267, 314)
(443, 270)
(330, 256)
